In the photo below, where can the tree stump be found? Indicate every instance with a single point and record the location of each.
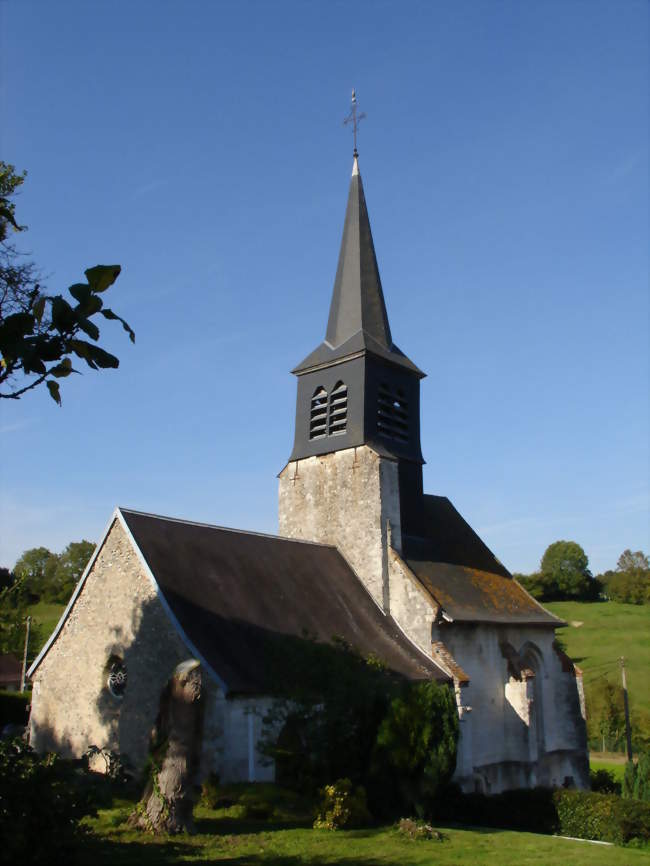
(168, 800)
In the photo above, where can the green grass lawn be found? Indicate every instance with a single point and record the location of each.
(598, 634)
(224, 840)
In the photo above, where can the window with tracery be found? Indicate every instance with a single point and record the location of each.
(116, 676)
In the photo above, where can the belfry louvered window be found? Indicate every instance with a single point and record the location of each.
(392, 413)
(318, 414)
(338, 414)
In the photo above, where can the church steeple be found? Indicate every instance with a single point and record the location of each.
(357, 301)
(357, 388)
(358, 321)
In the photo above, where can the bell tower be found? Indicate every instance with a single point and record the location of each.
(354, 477)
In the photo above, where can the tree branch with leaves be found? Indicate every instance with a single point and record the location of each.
(41, 334)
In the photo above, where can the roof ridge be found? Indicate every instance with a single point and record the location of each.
(125, 510)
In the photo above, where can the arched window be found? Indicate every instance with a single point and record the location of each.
(338, 410)
(392, 413)
(318, 414)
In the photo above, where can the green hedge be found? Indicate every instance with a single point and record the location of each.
(14, 708)
(605, 817)
(584, 814)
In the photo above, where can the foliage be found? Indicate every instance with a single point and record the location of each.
(415, 754)
(418, 830)
(330, 704)
(630, 583)
(604, 817)
(603, 782)
(36, 569)
(14, 708)
(341, 805)
(52, 577)
(582, 814)
(42, 800)
(565, 572)
(636, 781)
(41, 333)
(12, 618)
(255, 802)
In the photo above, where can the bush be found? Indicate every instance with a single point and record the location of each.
(418, 830)
(603, 782)
(14, 708)
(584, 814)
(636, 781)
(42, 800)
(604, 817)
(341, 806)
(415, 754)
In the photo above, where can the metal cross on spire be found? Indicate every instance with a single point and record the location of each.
(355, 119)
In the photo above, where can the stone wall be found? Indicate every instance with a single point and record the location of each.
(524, 727)
(347, 499)
(117, 613)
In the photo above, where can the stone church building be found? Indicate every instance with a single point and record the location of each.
(363, 554)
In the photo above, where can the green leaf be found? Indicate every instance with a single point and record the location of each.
(102, 276)
(102, 358)
(89, 327)
(109, 314)
(63, 369)
(81, 292)
(82, 349)
(53, 388)
(63, 317)
(38, 308)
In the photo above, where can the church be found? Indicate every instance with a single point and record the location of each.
(363, 556)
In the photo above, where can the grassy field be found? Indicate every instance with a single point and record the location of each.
(44, 619)
(598, 634)
(220, 839)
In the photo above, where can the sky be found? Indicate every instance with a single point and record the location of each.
(200, 145)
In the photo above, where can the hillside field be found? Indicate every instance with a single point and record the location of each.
(599, 633)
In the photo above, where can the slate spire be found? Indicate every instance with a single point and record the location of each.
(358, 300)
(358, 321)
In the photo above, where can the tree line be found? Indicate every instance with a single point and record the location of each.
(39, 575)
(564, 575)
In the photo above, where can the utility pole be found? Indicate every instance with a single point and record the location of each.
(628, 732)
(28, 624)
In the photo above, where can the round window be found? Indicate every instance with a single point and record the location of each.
(117, 677)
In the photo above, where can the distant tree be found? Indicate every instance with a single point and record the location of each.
(565, 572)
(636, 561)
(35, 570)
(532, 583)
(12, 619)
(69, 568)
(41, 333)
(7, 578)
(630, 583)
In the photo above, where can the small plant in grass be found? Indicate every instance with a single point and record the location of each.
(341, 805)
(418, 830)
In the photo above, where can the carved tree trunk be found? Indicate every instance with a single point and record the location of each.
(168, 800)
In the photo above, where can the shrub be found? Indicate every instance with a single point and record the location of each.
(415, 753)
(341, 806)
(636, 781)
(604, 817)
(418, 830)
(603, 782)
(14, 708)
(584, 814)
(42, 800)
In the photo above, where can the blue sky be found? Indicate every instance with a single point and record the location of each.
(200, 145)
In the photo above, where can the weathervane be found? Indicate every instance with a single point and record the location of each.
(355, 119)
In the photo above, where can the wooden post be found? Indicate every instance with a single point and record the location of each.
(628, 732)
(23, 674)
